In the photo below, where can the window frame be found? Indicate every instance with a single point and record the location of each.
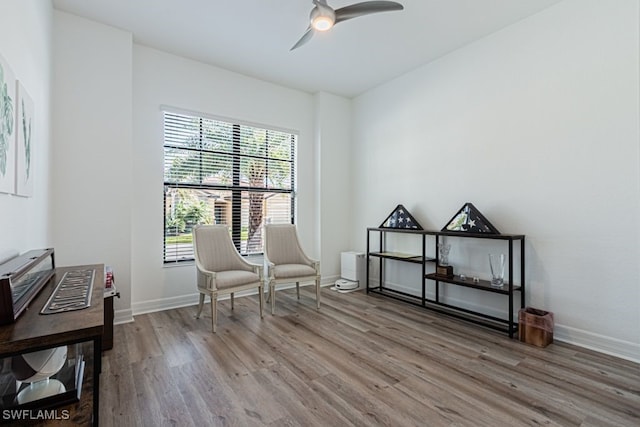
(235, 187)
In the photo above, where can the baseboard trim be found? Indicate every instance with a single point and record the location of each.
(162, 304)
(600, 343)
(122, 316)
(329, 281)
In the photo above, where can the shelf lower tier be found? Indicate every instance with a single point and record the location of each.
(400, 256)
(475, 317)
(484, 285)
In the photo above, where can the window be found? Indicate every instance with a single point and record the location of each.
(221, 172)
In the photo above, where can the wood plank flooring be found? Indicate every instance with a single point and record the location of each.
(361, 360)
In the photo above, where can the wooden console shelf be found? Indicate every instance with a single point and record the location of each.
(511, 285)
(33, 331)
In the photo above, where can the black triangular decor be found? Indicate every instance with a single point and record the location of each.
(470, 220)
(401, 218)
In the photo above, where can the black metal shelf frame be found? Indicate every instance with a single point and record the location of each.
(509, 325)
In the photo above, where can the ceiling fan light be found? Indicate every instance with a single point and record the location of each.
(322, 23)
(322, 18)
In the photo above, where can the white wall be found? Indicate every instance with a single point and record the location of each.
(333, 162)
(25, 44)
(538, 126)
(164, 79)
(92, 127)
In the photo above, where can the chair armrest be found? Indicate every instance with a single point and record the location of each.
(201, 268)
(243, 264)
(258, 270)
(209, 275)
(270, 267)
(209, 278)
(309, 261)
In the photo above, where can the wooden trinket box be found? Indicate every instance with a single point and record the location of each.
(535, 327)
(444, 270)
(21, 279)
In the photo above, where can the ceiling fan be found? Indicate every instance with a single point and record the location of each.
(323, 17)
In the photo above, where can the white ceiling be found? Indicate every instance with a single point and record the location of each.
(253, 37)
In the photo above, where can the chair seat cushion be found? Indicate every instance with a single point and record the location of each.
(226, 279)
(285, 271)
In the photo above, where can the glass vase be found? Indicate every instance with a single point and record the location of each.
(496, 263)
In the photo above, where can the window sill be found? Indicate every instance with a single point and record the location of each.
(253, 259)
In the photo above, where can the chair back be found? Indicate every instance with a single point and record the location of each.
(214, 249)
(281, 245)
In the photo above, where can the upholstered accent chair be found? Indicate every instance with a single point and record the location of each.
(287, 262)
(220, 268)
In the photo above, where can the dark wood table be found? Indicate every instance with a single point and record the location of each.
(33, 331)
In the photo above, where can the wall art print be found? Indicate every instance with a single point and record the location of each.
(7, 128)
(24, 142)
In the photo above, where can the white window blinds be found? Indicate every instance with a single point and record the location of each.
(217, 171)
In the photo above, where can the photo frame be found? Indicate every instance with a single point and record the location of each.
(24, 142)
(7, 127)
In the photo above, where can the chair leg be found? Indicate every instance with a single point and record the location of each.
(298, 289)
(268, 286)
(200, 306)
(261, 298)
(318, 292)
(214, 311)
(231, 300)
(272, 291)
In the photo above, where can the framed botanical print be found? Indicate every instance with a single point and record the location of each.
(7, 128)
(24, 143)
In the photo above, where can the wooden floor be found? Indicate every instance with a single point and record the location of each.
(360, 360)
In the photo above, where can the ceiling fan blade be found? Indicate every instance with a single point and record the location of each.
(305, 38)
(365, 8)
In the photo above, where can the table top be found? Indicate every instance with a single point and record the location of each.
(34, 331)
